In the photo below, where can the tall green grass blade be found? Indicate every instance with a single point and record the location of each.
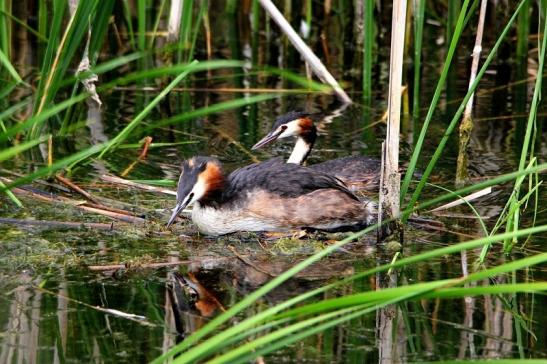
(10, 195)
(419, 18)
(141, 24)
(215, 108)
(368, 40)
(53, 36)
(54, 68)
(99, 27)
(129, 22)
(527, 148)
(156, 23)
(378, 298)
(60, 164)
(5, 29)
(249, 299)
(5, 62)
(444, 73)
(453, 122)
(10, 111)
(24, 25)
(13, 151)
(140, 117)
(523, 31)
(37, 120)
(454, 8)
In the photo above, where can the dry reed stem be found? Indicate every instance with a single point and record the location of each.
(173, 26)
(76, 188)
(390, 189)
(317, 66)
(466, 125)
(121, 181)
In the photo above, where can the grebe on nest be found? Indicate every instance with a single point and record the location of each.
(355, 171)
(267, 196)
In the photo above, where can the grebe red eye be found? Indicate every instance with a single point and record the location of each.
(283, 127)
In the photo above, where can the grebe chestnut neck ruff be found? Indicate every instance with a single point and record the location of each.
(267, 196)
(358, 172)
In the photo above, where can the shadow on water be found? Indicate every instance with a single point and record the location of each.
(162, 285)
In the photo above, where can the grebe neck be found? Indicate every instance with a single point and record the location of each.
(300, 151)
(303, 146)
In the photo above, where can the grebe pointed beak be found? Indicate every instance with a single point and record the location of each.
(271, 137)
(177, 210)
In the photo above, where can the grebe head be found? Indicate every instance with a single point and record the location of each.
(201, 179)
(294, 123)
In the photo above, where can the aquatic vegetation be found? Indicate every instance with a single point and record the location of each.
(101, 101)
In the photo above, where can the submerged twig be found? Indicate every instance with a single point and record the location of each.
(249, 263)
(129, 316)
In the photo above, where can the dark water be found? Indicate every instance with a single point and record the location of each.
(51, 290)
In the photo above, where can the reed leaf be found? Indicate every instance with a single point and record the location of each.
(140, 117)
(453, 122)
(197, 351)
(433, 105)
(527, 149)
(4, 61)
(60, 164)
(17, 149)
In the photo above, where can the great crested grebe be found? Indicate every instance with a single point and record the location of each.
(267, 196)
(355, 171)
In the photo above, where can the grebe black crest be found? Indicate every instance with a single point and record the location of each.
(267, 196)
(356, 171)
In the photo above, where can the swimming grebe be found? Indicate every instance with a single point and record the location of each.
(355, 171)
(267, 196)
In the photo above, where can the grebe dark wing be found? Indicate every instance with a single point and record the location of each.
(283, 179)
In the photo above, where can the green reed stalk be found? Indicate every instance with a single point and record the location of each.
(5, 62)
(156, 24)
(523, 32)
(185, 30)
(10, 195)
(99, 27)
(454, 7)
(419, 18)
(24, 25)
(59, 57)
(255, 27)
(140, 117)
(527, 146)
(141, 24)
(5, 28)
(129, 23)
(368, 41)
(212, 344)
(456, 118)
(308, 16)
(434, 101)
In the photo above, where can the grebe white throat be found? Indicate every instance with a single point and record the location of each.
(300, 151)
